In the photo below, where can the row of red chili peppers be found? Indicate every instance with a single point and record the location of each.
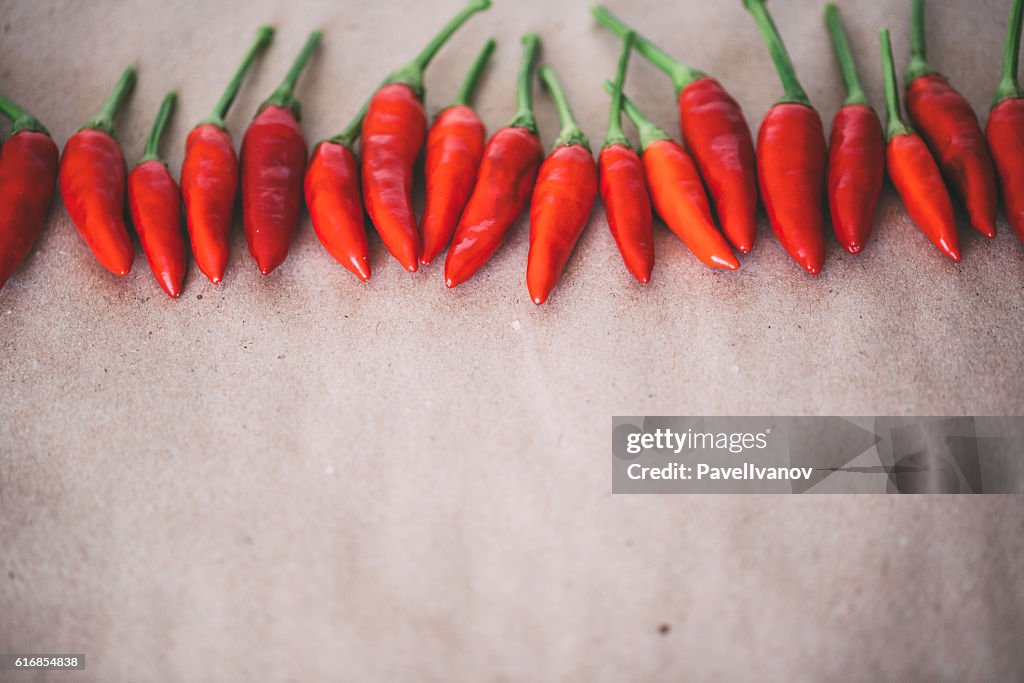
(476, 191)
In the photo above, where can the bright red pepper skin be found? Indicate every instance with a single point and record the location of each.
(455, 147)
(1005, 133)
(856, 173)
(949, 125)
(628, 208)
(336, 207)
(791, 155)
(717, 135)
(209, 185)
(512, 158)
(393, 134)
(155, 203)
(92, 175)
(28, 177)
(273, 167)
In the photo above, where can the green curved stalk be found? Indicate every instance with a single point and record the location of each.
(348, 137)
(163, 115)
(20, 119)
(793, 91)
(284, 96)
(1009, 85)
(616, 136)
(854, 90)
(525, 117)
(571, 134)
(264, 35)
(918, 65)
(104, 121)
(681, 74)
(895, 125)
(649, 133)
(465, 93)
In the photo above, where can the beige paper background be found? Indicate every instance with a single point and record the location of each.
(302, 477)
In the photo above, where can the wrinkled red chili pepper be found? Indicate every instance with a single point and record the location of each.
(504, 182)
(1005, 128)
(715, 132)
(791, 155)
(913, 170)
(92, 183)
(28, 177)
(273, 167)
(455, 146)
(155, 203)
(393, 134)
(209, 175)
(950, 127)
(856, 158)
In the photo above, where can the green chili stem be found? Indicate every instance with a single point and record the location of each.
(284, 96)
(571, 134)
(524, 85)
(649, 133)
(895, 125)
(104, 121)
(163, 115)
(348, 137)
(263, 37)
(793, 91)
(854, 90)
(1009, 86)
(465, 93)
(681, 74)
(918, 65)
(616, 136)
(20, 119)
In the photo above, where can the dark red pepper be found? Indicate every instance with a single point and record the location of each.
(1005, 128)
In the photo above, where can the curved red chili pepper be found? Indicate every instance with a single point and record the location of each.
(856, 160)
(455, 146)
(92, 183)
(504, 182)
(209, 175)
(791, 156)
(273, 166)
(28, 177)
(950, 127)
(914, 172)
(155, 203)
(716, 134)
(1005, 128)
(393, 134)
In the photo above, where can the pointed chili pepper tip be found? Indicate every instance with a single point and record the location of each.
(215, 279)
(854, 247)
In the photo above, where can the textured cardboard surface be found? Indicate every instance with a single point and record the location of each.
(302, 477)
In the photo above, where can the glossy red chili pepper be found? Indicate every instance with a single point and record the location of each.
(856, 159)
(504, 182)
(562, 199)
(715, 132)
(914, 172)
(155, 203)
(273, 167)
(393, 134)
(950, 127)
(209, 175)
(28, 177)
(455, 146)
(1005, 128)
(92, 183)
(624, 187)
(791, 156)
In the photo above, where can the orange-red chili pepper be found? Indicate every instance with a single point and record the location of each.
(504, 182)
(28, 177)
(209, 175)
(715, 132)
(455, 146)
(562, 199)
(913, 170)
(92, 183)
(393, 134)
(791, 157)
(950, 127)
(856, 158)
(1005, 128)
(155, 203)
(273, 167)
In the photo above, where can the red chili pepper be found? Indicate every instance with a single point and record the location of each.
(273, 166)
(504, 182)
(1005, 128)
(393, 134)
(624, 187)
(716, 133)
(92, 183)
(913, 170)
(209, 175)
(455, 146)
(28, 177)
(562, 198)
(791, 154)
(856, 160)
(155, 203)
(950, 127)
